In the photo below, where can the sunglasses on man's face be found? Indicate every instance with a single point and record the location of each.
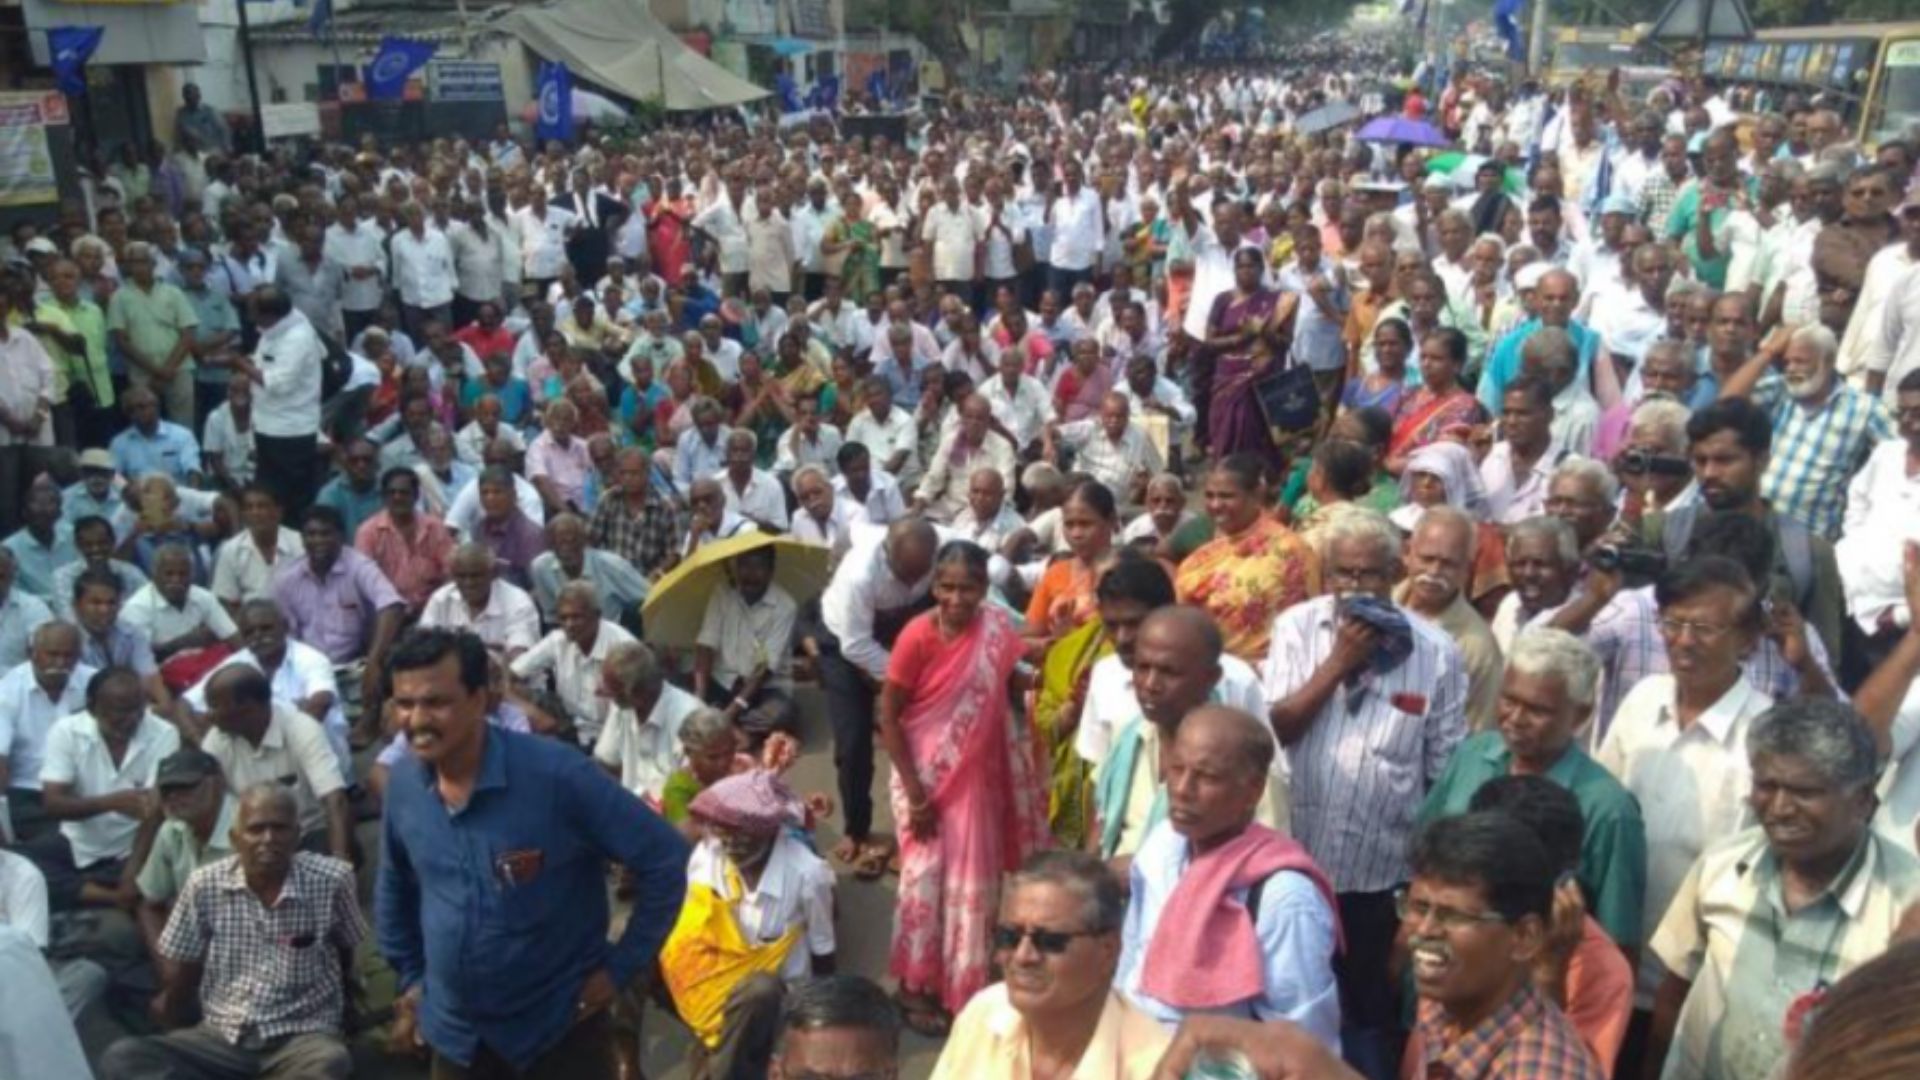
(1048, 942)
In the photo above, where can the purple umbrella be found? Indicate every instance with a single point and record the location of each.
(1399, 129)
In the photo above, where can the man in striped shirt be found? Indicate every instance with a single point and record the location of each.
(1368, 717)
(1823, 428)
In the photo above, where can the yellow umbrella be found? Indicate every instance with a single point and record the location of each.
(678, 601)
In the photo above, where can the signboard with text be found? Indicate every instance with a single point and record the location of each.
(464, 80)
(26, 161)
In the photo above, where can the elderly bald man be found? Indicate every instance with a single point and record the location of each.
(500, 613)
(1187, 945)
(1554, 300)
(267, 899)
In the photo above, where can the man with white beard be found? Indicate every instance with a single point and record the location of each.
(1823, 428)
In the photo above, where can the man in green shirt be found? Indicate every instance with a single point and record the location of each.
(196, 832)
(1699, 216)
(1548, 694)
(73, 330)
(153, 323)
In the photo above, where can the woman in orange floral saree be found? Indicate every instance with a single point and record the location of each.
(1254, 567)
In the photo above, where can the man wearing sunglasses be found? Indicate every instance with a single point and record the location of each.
(1189, 945)
(1058, 1012)
(1475, 919)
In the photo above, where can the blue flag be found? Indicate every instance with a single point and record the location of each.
(877, 87)
(789, 93)
(321, 21)
(826, 92)
(555, 95)
(398, 58)
(1503, 15)
(68, 50)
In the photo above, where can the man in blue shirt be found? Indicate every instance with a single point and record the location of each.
(491, 902)
(153, 445)
(1554, 300)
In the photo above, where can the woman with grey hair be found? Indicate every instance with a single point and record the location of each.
(1771, 916)
(1546, 701)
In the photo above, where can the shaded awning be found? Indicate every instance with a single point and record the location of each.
(620, 45)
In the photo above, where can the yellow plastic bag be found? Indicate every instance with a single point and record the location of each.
(706, 956)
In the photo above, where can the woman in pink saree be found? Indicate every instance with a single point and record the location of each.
(965, 788)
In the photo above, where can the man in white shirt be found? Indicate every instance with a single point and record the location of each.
(1021, 406)
(1079, 231)
(751, 492)
(872, 496)
(258, 741)
(52, 683)
(971, 446)
(640, 743)
(423, 272)
(500, 613)
(1678, 741)
(774, 888)
(955, 237)
(542, 231)
(286, 367)
(888, 432)
(823, 519)
(1112, 449)
(360, 249)
(810, 221)
(97, 781)
(885, 579)
(988, 519)
(21, 613)
(1516, 470)
(743, 656)
(176, 615)
(724, 223)
(574, 655)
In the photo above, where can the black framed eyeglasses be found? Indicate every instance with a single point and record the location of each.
(1051, 942)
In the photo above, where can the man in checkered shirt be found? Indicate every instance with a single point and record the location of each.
(266, 935)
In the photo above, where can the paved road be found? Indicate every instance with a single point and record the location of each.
(865, 921)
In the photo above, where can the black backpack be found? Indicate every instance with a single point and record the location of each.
(336, 369)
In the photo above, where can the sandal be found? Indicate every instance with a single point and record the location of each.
(872, 862)
(847, 851)
(922, 1016)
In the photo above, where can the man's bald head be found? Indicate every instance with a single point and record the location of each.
(1250, 736)
(911, 543)
(1176, 663)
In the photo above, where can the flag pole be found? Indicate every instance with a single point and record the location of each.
(253, 81)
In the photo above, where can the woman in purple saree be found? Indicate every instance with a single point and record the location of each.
(1249, 327)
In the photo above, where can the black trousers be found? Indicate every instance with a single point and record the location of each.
(286, 466)
(850, 701)
(850, 709)
(584, 1053)
(1370, 1025)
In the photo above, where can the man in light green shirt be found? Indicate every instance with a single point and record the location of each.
(153, 324)
(73, 330)
(196, 832)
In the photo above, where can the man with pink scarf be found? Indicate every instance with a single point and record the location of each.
(1227, 917)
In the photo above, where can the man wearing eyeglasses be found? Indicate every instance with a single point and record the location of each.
(1058, 1013)
(1189, 945)
(1678, 740)
(1475, 919)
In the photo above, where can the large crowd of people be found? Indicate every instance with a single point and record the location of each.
(1326, 608)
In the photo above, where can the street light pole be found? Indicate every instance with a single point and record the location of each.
(253, 82)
